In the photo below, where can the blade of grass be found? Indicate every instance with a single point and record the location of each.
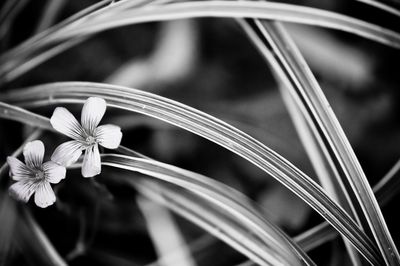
(270, 45)
(388, 186)
(36, 231)
(20, 113)
(18, 67)
(8, 13)
(49, 14)
(316, 236)
(307, 240)
(127, 16)
(212, 129)
(228, 217)
(265, 235)
(24, 116)
(385, 190)
(199, 211)
(326, 127)
(325, 175)
(382, 6)
(198, 246)
(165, 233)
(27, 55)
(29, 44)
(215, 192)
(208, 216)
(185, 204)
(215, 219)
(242, 9)
(272, 41)
(97, 9)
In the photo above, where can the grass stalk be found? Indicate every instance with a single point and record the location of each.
(79, 26)
(276, 47)
(212, 129)
(305, 90)
(265, 235)
(382, 6)
(308, 240)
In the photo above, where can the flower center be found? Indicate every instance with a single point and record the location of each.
(90, 140)
(39, 174)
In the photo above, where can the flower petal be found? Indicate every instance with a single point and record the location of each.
(91, 162)
(63, 121)
(33, 154)
(18, 170)
(54, 172)
(67, 153)
(109, 136)
(92, 112)
(44, 195)
(23, 189)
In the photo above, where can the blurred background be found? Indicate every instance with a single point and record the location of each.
(209, 64)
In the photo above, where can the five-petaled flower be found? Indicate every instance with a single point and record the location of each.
(86, 137)
(34, 176)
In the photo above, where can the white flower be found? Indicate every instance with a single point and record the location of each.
(34, 176)
(86, 136)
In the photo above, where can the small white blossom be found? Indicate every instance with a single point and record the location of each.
(85, 137)
(34, 176)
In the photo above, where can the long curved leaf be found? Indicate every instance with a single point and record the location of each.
(260, 240)
(209, 189)
(382, 6)
(32, 53)
(307, 240)
(212, 129)
(319, 114)
(275, 45)
(242, 9)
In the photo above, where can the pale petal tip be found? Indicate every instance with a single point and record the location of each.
(54, 117)
(45, 204)
(90, 172)
(91, 162)
(44, 196)
(34, 143)
(98, 104)
(117, 136)
(98, 100)
(109, 136)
